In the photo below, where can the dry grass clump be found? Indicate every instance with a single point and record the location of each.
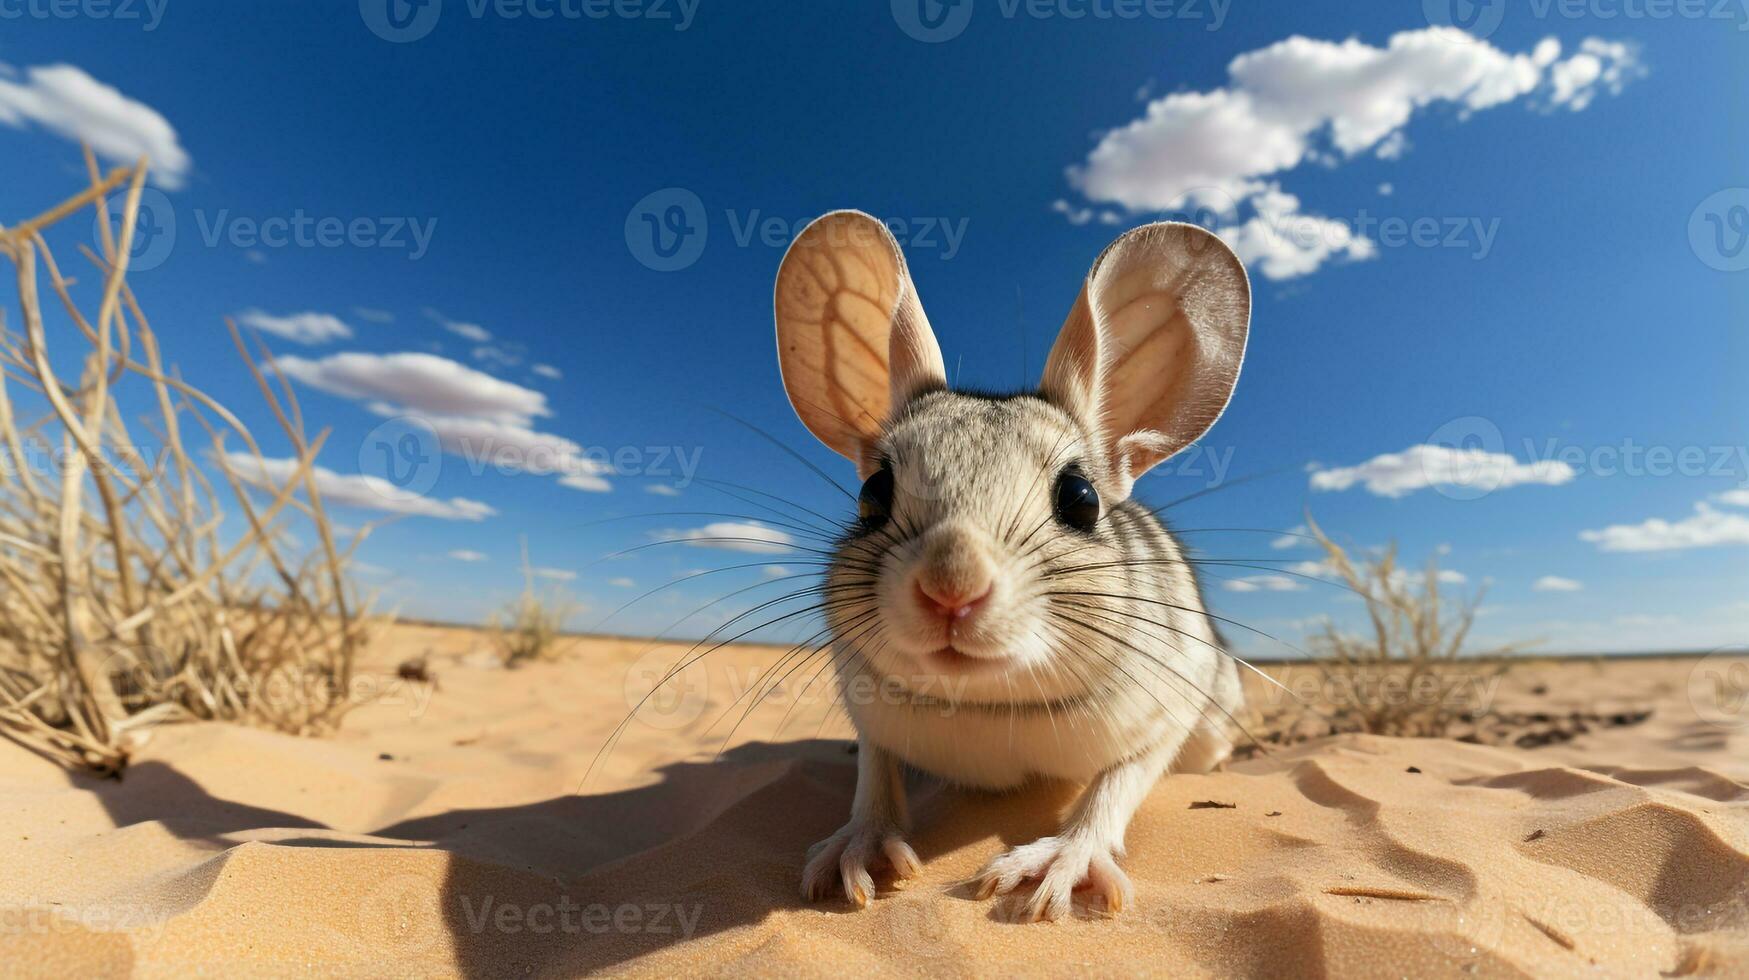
(529, 626)
(124, 600)
(1408, 673)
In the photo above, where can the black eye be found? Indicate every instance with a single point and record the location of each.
(875, 504)
(1077, 503)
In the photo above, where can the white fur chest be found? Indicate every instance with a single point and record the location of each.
(998, 746)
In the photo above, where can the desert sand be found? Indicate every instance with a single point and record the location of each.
(447, 830)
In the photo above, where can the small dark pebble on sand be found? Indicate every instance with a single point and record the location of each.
(1415, 769)
(1537, 834)
(1213, 805)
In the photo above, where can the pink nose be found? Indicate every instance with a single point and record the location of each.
(951, 603)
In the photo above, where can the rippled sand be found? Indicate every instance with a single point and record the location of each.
(443, 833)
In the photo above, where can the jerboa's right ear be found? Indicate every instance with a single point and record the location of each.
(852, 340)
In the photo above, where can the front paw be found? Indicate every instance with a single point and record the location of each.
(843, 860)
(1061, 864)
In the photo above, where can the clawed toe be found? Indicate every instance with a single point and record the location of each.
(845, 860)
(1060, 866)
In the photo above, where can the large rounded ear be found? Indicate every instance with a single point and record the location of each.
(1151, 350)
(852, 340)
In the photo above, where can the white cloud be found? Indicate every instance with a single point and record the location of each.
(1418, 467)
(373, 315)
(774, 571)
(661, 490)
(1415, 578)
(369, 492)
(485, 420)
(555, 574)
(1599, 64)
(1555, 583)
(467, 331)
(1264, 583)
(463, 554)
(68, 102)
(1304, 100)
(498, 355)
(622, 583)
(732, 536)
(589, 482)
(1315, 569)
(1283, 243)
(419, 382)
(1298, 536)
(303, 328)
(1734, 498)
(1387, 189)
(511, 446)
(547, 371)
(1705, 528)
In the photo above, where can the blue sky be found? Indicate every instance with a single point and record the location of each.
(1526, 242)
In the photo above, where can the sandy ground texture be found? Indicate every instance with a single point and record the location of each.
(447, 830)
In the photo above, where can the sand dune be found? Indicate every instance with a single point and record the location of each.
(442, 834)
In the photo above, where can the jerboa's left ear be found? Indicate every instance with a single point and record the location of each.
(1151, 350)
(852, 340)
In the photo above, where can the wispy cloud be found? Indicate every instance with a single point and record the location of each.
(588, 482)
(1555, 583)
(420, 383)
(463, 554)
(368, 492)
(732, 536)
(302, 328)
(1264, 583)
(555, 574)
(371, 314)
(461, 328)
(483, 419)
(1303, 100)
(1707, 527)
(547, 371)
(1422, 466)
(1298, 536)
(68, 102)
(661, 490)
